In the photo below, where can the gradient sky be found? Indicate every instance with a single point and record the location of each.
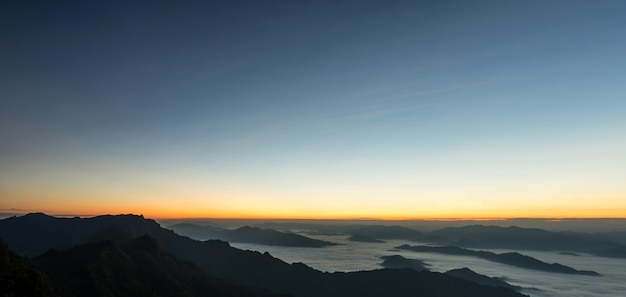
(314, 109)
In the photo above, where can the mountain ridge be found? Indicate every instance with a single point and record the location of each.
(248, 234)
(253, 269)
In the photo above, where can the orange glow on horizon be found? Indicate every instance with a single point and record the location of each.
(263, 206)
(160, 214)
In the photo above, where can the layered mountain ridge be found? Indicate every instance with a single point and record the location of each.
(34, 234)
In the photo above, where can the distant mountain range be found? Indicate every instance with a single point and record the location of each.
(132, 250)
(480, 236)
(388, 232)
(248, 234)
(512, 258)
(604, 244)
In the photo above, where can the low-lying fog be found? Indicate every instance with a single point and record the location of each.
(353, 256)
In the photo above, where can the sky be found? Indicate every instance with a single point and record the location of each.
(314, 109)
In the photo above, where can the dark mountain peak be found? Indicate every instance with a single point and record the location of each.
(470, 275)
(250, 229)
(35, 216)
(388, 232)
(186, 225)
(124, 219)
(400, 262)
(461, 270)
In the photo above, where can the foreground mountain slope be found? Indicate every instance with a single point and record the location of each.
(247, 268)
(387, 232)
(20, 277)
(137, 268)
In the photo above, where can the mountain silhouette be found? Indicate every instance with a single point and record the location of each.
(513, 258)
(248, 234)
(387, 232)
(397, 261)
(197, 231)
(243, 268)
(479, 236)
(468, 274)
(139, 267)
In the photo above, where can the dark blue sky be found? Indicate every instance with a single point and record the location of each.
(295, 101)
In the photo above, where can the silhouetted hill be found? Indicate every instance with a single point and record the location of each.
(249, 235)
(398, 262)
(514, 259)
(272, 237)
(244, 268)
(479, 236)
(364, 238)
(468, 274)
(137, 268)
(388, 232)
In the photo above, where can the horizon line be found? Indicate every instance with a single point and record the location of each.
(4, 215)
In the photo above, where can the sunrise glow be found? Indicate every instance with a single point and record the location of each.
(319, 111)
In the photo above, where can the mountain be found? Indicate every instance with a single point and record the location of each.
(479, 236)
(244, 268)
(272, 237)
(136, 268)
(249, 235)
(388, 232)
(33, 234)
(397, 261)
(364, 238)
(197, 231)
(514, 259)
(468, 274)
